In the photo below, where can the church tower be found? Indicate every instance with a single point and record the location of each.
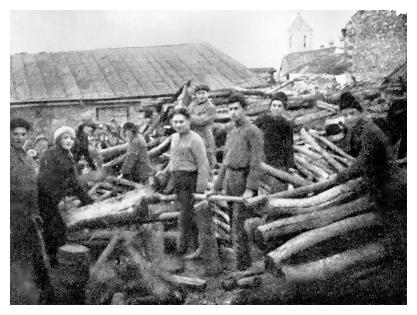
(300, 35)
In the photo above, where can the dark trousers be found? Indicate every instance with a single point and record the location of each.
(235, 185)
(184, 187)
(27, 266)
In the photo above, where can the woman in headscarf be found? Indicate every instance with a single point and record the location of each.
(80, 148)
(58, 179)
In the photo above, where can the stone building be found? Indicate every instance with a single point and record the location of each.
(53, 89)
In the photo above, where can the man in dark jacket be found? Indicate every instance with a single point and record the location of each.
(385, 181)
(278, 140)
(25, 247)
(137, 165)
(240, 173)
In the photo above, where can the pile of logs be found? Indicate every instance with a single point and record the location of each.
(318, 230)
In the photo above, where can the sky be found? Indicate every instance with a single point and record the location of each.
(254, 38)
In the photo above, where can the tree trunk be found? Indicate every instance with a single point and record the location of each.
(310, 140)
(284, 176)
(297, 192)
(276, 258)
(333, 147)
(274, 205)
(114, 151)
(327, 267)
(308, 221)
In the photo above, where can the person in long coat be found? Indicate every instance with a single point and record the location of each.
(58, 179)
(81, 145)
(27, 269)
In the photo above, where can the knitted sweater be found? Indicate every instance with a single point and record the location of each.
(244, 148)
(188, 153)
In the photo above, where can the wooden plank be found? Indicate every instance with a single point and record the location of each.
(84, 82)
(219, 65)
(110, 73)
(136, 67)
(65, 74)
(13, 94)
(246, 78)
(53, 84)
(153, 71)
(102, 85)
(159, 61)
(168, 57)
(125, 73)
(17, 73)
(149, 71)
(34, 77)
(208, 73)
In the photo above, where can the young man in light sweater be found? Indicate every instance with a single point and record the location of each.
(190, 171)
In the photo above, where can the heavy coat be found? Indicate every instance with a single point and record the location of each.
(81, 149)
(137, 165)
(278, 141)
(57, 179)
(23, 203)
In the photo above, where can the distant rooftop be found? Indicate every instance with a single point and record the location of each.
(299, 24)
(122, 72)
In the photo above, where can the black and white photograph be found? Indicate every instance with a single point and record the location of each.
(208, 157)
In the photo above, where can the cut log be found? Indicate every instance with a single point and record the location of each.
(161, 148)
(346, 188)
(106, 253)
(318, 172)
(308, 221)
(124, 182)
(148, 268)
(122, 208)
(249, 282)
(328, 106)
(304, 150)
(302, 120)
(224, 226)
(276, 258)
(116, 161)
(327, 267)
(114, 151)
(332, 146)
(295, 193)
(310, 140)
(307, 173)
(284, 176)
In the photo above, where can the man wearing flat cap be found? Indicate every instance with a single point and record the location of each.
(26, 265)
(203, 113)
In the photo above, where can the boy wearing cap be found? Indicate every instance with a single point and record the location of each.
(240, 173)
(203, 113)
(278, 136)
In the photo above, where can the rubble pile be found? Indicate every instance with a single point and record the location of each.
(377, 41)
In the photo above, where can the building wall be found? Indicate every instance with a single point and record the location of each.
(45, 119)
(296, 41)
(377, 41)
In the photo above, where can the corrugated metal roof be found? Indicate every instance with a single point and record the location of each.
(122, 72)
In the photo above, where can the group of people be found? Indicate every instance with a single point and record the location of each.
(35, 199)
